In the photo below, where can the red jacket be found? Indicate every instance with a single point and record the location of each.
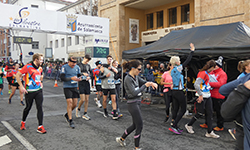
(221, 77)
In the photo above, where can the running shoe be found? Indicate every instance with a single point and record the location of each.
(110, 102)
(98, 103)
(179, 129)
(203, 125)
(138, 149)
(121, 142)
(115, 117)
(72, 125)
(232, 132)
(86, 117)
(1, 92)
(105, 114)
(166, 119)
(218, 129)
(41, 130)
(212, 135)
(189, 129)
(9, 92)
(66, 117)
(9, 101)
(78, 113)
(120, 114)
(22, 103)
(22, 127)
(174, 130)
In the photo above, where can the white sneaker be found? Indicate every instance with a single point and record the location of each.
(86, 117)
(212, 135)
(189, 129)
(98, 103)
(78, 113)
(122, 143)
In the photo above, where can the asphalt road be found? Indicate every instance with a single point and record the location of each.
(99, 133)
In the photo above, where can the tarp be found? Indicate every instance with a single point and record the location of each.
(232, 41)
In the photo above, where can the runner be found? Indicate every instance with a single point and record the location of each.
(134, 92)
(97, 82)
(167, 81)
(108, 85)
(204, 103)
(69, 75)
(117, 86)
(15, 85)
(1, 77)
(8, 68)
(84, 87)
(179, 99)
(33, 89)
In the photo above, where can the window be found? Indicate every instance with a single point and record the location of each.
(160, 19)
(51, 44)
(62, 42)
(185, 13)
(34, 6)
(76, 40)
(69, 41)
(150, 20)
(56, 44)
(35, 45)
(172, 16)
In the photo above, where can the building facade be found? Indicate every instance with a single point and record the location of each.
(135, 23)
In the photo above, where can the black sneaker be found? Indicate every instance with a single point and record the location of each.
(72, 125)
(66, 117)
(9, 101)
(166, 119)
(115, 117)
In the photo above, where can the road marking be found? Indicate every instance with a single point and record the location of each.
(18, 136)
(57, 95)
(103, 113)
(4, 140)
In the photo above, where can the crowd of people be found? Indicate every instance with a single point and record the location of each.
(210, 84)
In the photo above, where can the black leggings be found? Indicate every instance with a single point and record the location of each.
(179, 100)
(205, 107)
(168, 100)
(117, 89)
(38, 96)
(134, 110)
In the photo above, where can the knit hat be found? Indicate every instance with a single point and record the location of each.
(219, 61)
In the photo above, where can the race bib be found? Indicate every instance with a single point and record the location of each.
(111, 81)
(38, 78)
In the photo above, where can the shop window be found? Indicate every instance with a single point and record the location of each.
(150, 21)
(160, 19)
(185, 13)
(172, 16)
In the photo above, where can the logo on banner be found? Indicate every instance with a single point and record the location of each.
(72, 22)
(22, 20)
(101, 41)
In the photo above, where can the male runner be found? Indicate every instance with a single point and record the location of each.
(8, 68)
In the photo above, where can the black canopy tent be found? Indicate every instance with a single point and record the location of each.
(232, 41)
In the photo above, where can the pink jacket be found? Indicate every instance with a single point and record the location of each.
(221, 77)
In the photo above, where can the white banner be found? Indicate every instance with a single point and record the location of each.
(40, 20)
(133, 30)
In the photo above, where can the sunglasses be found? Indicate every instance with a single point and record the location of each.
(139, 69)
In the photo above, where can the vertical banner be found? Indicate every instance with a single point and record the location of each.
(133, 31)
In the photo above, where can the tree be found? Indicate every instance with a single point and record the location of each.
(85, 8)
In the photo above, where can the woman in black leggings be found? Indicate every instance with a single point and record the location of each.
(134, 92)
(204, 103)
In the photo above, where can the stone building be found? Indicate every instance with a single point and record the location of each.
(149, 20)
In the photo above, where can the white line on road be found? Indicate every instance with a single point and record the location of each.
(103, 113)
(4, 140)
(18, 136)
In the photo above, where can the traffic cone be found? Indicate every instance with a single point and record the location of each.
(55, 84)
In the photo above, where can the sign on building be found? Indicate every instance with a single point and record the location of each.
(22, 40)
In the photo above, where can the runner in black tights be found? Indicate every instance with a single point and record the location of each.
(134, 92)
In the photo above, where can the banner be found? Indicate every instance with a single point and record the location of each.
(40, 20)
(133, 30)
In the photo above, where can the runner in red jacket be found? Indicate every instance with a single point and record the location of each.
(219, 78)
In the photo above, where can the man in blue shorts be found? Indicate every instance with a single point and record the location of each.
(70, 74)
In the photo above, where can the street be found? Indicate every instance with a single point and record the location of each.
(99, 133)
